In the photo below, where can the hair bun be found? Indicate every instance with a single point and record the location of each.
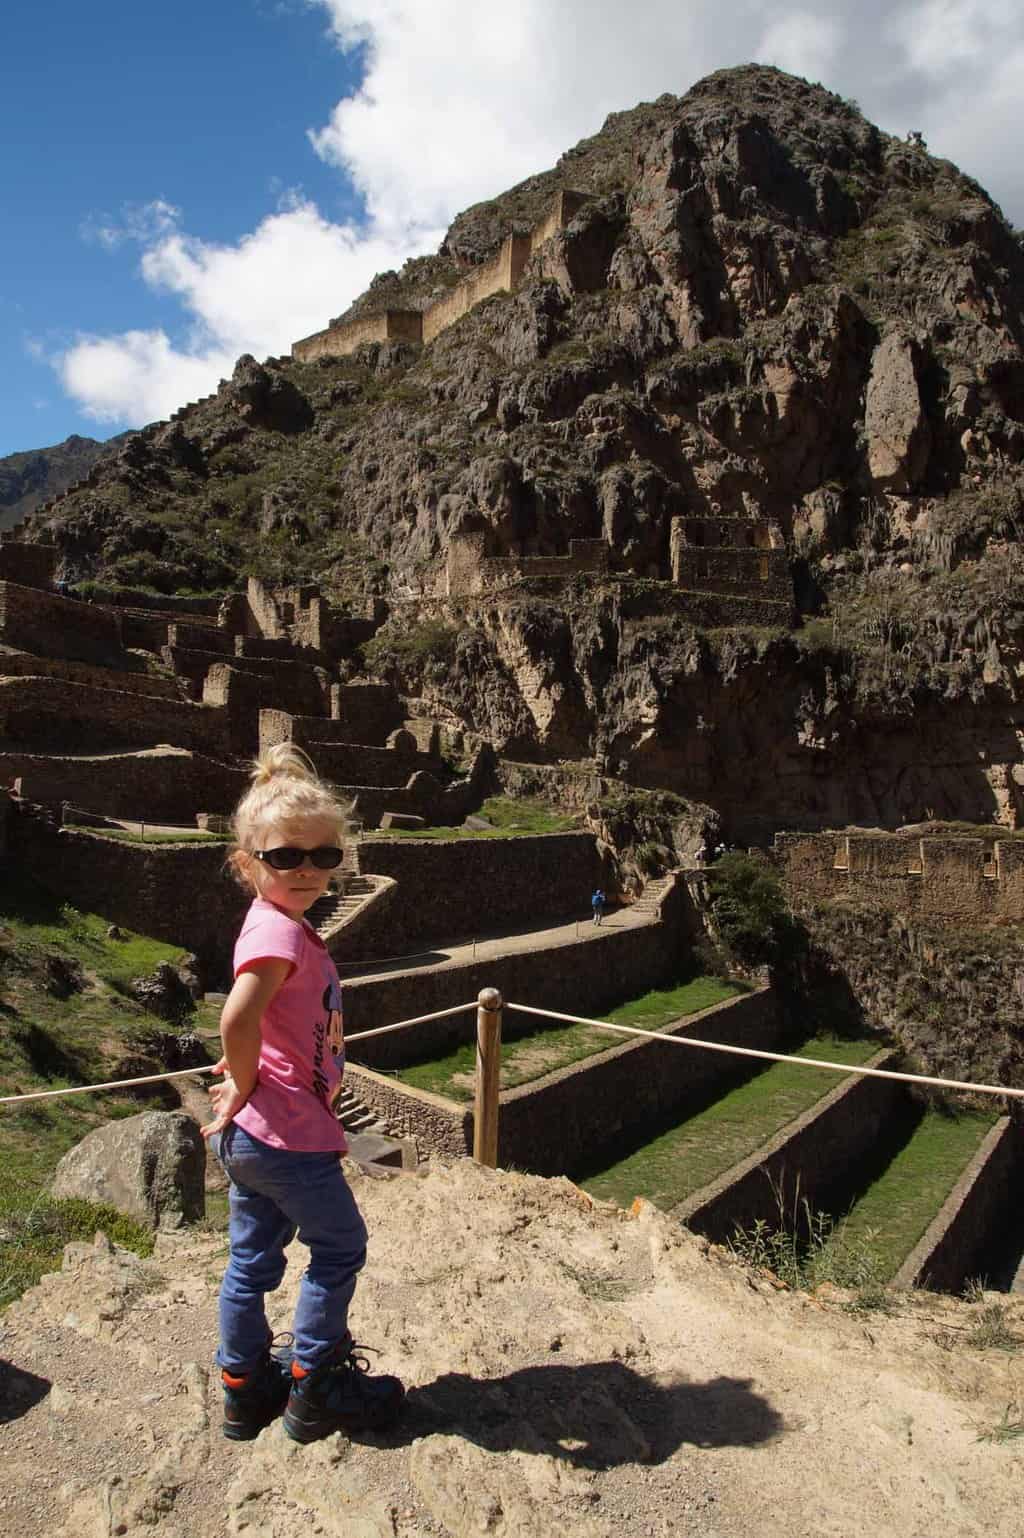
(283, 761)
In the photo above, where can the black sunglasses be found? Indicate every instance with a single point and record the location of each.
(287, 858)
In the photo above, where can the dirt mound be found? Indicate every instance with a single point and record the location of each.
(571, 1370)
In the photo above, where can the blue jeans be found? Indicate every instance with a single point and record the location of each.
(275, 1194)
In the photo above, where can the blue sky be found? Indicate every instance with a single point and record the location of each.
(182, 184)
(106, 106)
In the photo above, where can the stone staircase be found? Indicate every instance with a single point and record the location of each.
(332, 910)
(355, 1116)
(651, 897)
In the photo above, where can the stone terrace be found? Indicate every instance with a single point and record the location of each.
(94, 697)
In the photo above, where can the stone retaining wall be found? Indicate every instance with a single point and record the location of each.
(435, 1123)
(25, 665)
(42, 713)
(557, 1123)
(156, 785)
(475, 886)
(584, 977)
(59, 627)
(813, 1158)
(180, 893)
(955, 879)
(280, 684)
(588, 1111)
(984, 1201)
(28, 565)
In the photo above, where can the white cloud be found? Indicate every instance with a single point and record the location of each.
(460, 100)
(803, 44)
(141, 222)
(282, 281)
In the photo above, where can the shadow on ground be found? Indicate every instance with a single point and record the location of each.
(596, 1416)
(19, 1391)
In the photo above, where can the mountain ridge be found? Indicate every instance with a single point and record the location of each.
(770, 313)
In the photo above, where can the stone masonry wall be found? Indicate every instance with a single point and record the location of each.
(25, 665)
(556, 1124)
(337, 341)
(280, 684)
(958, 1244)
(369, 712)
(43, 714)
(502, 272)
(158, 785)
(59, 627)
(470, 887)
(346, 763)
(961, 880)
(585, 977)
(27, 565)
(816, 1158)
(180, 893)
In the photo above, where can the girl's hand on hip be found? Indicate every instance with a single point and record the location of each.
(226, 1102)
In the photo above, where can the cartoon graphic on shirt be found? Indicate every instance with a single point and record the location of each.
(327, 1032)
(332, 1008)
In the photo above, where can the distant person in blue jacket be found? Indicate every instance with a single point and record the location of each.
(597, 904)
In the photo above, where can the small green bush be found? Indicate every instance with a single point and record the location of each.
(36, 1228)
(753, 921)
(432, 640)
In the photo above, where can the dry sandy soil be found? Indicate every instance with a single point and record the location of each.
(572, 1371)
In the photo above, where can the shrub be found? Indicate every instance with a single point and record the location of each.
(432, 640)
(749, 906)
(36, 1229)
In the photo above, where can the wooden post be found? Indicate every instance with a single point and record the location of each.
(488, 1081)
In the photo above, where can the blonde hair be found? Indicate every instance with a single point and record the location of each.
(285, 788)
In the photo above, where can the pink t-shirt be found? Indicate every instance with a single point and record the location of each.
(297, 1072)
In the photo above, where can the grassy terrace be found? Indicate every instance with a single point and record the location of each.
(896, 1208)
(683, 1158)
(528, 1051)
(67, 1019)
(510, 818)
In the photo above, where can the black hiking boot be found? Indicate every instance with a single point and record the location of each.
(340, 1395)
(253, 1401)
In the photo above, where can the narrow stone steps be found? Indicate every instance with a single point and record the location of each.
(333, 906)
(357, 1117)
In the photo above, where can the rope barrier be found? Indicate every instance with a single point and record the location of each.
(401, 1025)
(180, 1073)
(600, 1025)
(773, 1057)
(88, 1089)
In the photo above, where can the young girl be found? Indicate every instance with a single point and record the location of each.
(276, 1132)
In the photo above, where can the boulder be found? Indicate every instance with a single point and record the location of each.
(164, 993)
(899, 438)
(149, 1166)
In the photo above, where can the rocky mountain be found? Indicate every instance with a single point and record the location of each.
(767, 311)
(30, 479)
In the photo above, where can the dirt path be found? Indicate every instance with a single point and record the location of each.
(571, 1371)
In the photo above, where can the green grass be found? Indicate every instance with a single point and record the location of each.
(53, 1042)
(528, 1051)
(511, 817)
(126, 836)
(900, 1204)
(682, 1159)
(36, 1227)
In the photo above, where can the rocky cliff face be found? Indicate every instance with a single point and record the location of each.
(767, 310)
(28, 480)
(951, 998)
